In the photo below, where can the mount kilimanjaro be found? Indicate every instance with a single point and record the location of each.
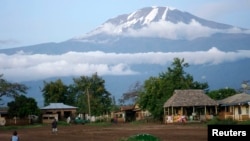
(150, 29)
(149, 39)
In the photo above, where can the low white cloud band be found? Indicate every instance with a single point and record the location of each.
(25, 67)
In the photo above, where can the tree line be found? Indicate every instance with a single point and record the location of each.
(89, 94)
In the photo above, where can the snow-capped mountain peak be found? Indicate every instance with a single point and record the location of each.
(160, 22)
(151, 16)
(143, 16)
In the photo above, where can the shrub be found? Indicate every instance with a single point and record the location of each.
(228, 121)
(142, 137)
(247, 122)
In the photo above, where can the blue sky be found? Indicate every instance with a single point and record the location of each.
(29, 22)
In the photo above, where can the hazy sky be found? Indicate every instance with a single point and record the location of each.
(29, 22)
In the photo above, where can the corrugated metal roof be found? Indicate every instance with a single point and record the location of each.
(192, 97)
(58, 106)
(237, 99)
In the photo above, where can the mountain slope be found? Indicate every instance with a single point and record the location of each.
(222, 41)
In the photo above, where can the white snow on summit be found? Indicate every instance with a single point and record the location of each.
(130, 21)
(164, 15)
(150, 17)
(131, 16)
(161, 22)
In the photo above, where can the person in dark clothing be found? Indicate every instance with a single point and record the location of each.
(54, 126)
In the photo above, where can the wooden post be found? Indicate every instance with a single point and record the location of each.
(172, 113)
(88, 102)
(15, 120)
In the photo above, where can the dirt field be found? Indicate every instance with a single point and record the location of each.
(115, 132)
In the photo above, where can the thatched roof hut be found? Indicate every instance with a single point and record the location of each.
(191, 97)
(235, 107)
(191, 103)
(237, 99)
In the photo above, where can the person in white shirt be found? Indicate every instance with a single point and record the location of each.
(15, 137)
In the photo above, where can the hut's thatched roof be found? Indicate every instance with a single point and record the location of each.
(237, 99)
(193, 97)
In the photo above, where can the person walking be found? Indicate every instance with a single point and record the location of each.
(54, 126)
(15, 137)
(68, 120)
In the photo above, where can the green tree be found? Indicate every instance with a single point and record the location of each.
(23, 106)
(114, 106)
(221, 93)
(92, 96)
(157, 90)
(151, 97)
(71, 95)
(9, 89)
(55, 92)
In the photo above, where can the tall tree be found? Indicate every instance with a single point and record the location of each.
(114, 106)
(92, 96)
(157, 90)
(71, 95)
(23, 106)
(221, 93)
(9, 89)
(55, 92)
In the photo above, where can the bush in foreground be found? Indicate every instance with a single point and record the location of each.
(142, 137)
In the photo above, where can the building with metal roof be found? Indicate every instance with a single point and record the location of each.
(59, 111)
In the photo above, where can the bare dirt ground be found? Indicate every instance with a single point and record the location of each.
(115, 132)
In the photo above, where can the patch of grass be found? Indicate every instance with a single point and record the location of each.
(244, 122)
(137, 122)
(63, 123)
(100, 124)
(141, 137)
(15, 127)
(222, 122)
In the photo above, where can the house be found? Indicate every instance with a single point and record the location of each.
(235, 107)
(3, 115)
(57, 110)
(140, 114)
(130, 113)
(194, 104)
(125, 114)
(3, 111)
